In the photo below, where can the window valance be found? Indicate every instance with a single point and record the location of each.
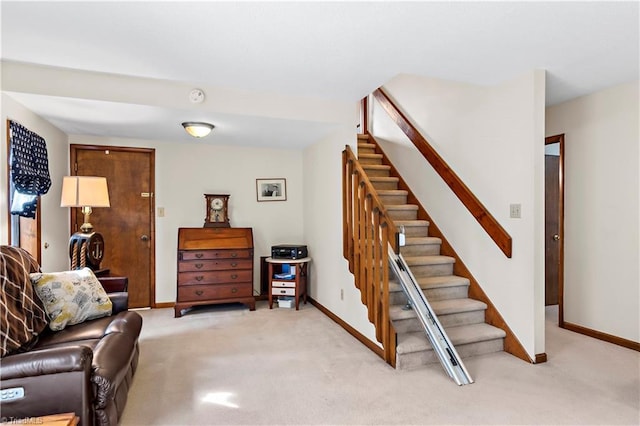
(29, 169)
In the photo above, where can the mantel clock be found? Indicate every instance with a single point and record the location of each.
(217, 210)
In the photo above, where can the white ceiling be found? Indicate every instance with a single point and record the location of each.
(337, 51)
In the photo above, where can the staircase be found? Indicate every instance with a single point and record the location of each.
(463, 318)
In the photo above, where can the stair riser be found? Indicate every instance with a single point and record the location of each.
(376, 172)
(385, 185)
(365, 148)
(389, 200)
(437, 270)
(450, 320)
(367, 160)
(416, 231)
(420, 249)
(446, 293)
(418, 359)
(433, 294)
(402, 214)
(397, 298)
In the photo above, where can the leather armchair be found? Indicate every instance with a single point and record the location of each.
(85, 368)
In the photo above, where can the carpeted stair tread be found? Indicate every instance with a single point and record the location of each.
(452, 306)
(384, 179)
(426, 283)
(441, 307)
(428, 260)
(409, 223)
(442, 281)
(461, 335)
(370, 156)
(364, 144)
(397, 312)
(376, 167)
(401, 207)
(392, 192)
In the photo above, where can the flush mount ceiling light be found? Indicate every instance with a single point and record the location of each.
(197, 129)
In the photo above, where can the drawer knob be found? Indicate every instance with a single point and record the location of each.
(199, 265)
(234, 290)
(199, 292)
(283, 291)
(199, 278)
(234, 276)
(199, 255)
(234, 254)
(234, 264)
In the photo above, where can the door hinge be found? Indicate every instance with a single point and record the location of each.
(75, 167)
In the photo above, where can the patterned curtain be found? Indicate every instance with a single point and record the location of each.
(29, 170)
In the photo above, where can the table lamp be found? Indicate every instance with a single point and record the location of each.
(86, 248)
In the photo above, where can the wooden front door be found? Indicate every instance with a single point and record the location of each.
(128, 225)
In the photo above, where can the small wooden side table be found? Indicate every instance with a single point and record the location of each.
(296, 287)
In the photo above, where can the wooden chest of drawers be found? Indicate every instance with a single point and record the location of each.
(215, 265)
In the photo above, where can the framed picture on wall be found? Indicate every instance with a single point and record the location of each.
(271, 189)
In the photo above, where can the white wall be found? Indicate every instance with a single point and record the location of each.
(186, 171)
(55, 219)
(601, 247)
(323, 231)
(493, 138)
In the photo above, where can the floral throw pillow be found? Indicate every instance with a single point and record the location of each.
(71, 297)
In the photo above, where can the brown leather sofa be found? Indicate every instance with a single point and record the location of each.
(85, 368)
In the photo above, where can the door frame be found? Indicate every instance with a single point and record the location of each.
(73, 148)
(559, 139)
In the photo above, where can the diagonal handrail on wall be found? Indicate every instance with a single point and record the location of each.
(367, 232)
(491, 226)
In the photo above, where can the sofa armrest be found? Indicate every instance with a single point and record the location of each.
(46, 361)
(120, 301)
(53, 380)
(114, 284)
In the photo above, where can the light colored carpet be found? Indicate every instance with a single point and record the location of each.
(225, 365)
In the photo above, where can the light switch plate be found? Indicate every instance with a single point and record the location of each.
(515, 211)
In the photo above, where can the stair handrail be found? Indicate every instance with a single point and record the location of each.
(367, 232)
(491, 226)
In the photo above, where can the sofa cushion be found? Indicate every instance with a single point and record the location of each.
(23, 317)
(89, 330)
(71, 297)
(124, 322)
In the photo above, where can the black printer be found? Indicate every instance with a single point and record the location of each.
(288, 251)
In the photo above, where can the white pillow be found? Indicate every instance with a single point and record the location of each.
(71, 297)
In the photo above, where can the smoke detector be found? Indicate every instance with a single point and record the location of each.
(196, 96)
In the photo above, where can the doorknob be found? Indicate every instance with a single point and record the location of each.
(556, 237)
(145, 238)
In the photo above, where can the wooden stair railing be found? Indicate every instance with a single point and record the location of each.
(367, 232)
(491, 226)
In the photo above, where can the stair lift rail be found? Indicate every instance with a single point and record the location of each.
(440, 342)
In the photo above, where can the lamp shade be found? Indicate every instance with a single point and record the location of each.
(84, 191)
(197, 129)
